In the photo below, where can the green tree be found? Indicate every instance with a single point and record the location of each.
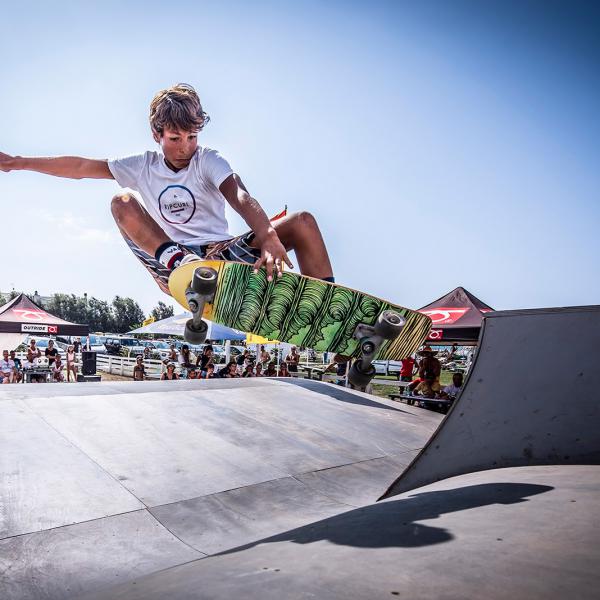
(100, 315)
(162, 311)
(127, 314)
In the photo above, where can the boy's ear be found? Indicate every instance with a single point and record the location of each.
(156, 136)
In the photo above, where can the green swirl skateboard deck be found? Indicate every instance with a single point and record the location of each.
(296, 309)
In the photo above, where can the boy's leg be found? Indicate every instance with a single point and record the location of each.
(136, 224)
(300, 232)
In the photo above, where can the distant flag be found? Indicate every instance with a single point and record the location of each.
(280, 215)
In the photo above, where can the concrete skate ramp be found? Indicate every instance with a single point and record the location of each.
(506, 534)
(531, 398)
(106, 483)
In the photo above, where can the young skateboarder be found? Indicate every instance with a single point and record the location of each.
(183, 188)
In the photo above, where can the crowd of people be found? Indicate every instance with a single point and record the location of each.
(41, 367)
(427, 381)
(184, 364)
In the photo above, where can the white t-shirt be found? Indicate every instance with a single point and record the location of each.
(188, 204)
(452, 390)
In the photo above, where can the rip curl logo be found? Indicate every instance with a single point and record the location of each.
(177, 204)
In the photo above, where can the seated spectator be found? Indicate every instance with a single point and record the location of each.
(7, 368)
(283, 370)
(258, 372)
(35, 352)
(57, 368)
(429, 387)
(173, 355)
(209, 373)
(451, 391)
(193, 373)
(248, 371)
(270, 371)
(241, 359)
(429, 363)
(146, 352)
(407, 368)
(229, 370)
(205, 358)
(186, 357)
(292, 360)
(170, 374)
(51, 352)
(71, 366)
(139, 370)
(18, 366)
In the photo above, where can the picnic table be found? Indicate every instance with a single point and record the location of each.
(439, 404)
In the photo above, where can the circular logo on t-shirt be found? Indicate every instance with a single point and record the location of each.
(177, 204)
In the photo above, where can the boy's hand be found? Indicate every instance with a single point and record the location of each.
(272, 256)
(6, 162)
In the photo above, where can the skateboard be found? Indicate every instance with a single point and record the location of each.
(299, 310)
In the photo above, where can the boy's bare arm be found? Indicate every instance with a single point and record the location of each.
(273, 253)
(73, 167)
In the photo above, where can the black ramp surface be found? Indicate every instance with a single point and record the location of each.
(104, 483)
(531, 398)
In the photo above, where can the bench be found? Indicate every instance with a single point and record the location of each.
(439, 404)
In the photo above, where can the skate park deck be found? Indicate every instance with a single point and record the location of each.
(267, 488)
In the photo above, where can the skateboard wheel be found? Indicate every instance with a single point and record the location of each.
(359, 378)
(195, 335)
(204, 281)
(389, 324)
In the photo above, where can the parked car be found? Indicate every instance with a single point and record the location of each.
(96, 343)
(123, 346)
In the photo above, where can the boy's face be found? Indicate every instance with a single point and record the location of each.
(178, 146)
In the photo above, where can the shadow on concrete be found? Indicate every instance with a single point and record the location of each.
(396, 523)
(339, 393)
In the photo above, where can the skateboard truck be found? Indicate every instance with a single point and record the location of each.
(371, 337)
(201, 290)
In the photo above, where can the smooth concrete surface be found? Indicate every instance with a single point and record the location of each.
(532, 398)
(529, 532)
(104, 483)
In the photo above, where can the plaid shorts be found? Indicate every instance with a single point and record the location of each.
(237, 248)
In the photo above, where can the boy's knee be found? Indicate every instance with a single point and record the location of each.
(123, 204)
(306, 219)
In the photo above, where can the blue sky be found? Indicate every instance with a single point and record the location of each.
(437, 143)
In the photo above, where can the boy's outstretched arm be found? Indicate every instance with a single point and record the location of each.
(273, 253)
(73, 167)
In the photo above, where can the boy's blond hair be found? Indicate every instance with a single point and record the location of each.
(177, 107)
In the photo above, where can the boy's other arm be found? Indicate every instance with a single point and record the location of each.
(273, 253)
(73, 167)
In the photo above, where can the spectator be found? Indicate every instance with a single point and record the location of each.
(146, 352)
(18, 366)
(35, 352)
(139, 370)
(264, 357)
(429, 364)
(71, 366)
(258, 370)
(283, 370)
(451, 391)
(186, 357)
(205, 358)
(248, 371)
(271, 371)
(76, 349)
(407, 368)
(241, 359)
(193, 373)
(428, 388)
(57, 368)
(170, 374)
(173, 356)
(51, 353)
(292, 360)
(229, 370)
(7, 368)
(209, 373)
